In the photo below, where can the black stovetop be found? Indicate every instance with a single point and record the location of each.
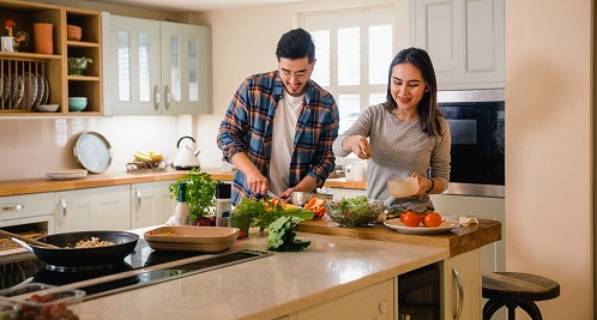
(26, 268)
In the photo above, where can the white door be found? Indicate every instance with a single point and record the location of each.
(461, 287)
(152, 204)
(134, 66)
(93, 209)
(186, 70)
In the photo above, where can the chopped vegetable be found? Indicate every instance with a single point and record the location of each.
(263, 212)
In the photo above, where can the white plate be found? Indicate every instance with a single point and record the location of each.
(93, 151)
(400, 227)
(66, 174)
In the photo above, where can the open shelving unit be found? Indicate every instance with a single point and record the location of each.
(15, 66)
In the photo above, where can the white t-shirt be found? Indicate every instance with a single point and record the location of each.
(285, 119)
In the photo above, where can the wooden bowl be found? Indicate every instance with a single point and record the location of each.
(73, 32)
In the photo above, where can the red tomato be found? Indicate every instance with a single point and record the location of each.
(410, 219)
(432, 220)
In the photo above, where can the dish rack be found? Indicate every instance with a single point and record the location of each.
(24, 85)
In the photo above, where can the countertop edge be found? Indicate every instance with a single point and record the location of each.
(342, 290)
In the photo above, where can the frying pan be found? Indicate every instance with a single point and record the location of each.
(124, 244)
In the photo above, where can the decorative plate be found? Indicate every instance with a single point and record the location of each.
(31, 90)
(46, 98)
(93, 151)
(397, 225)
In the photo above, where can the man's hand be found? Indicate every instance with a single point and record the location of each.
(257, 182)
(285, 196)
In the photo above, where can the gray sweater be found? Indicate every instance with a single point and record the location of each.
(397, 149)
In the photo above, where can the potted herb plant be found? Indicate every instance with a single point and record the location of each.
(200, 196)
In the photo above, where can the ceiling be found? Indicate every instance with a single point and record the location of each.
(197, 5)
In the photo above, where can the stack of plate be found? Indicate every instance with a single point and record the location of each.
(66, 174)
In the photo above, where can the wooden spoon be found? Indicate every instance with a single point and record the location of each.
(7, 234)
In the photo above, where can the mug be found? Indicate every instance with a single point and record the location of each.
(355, 172)
(6, 44)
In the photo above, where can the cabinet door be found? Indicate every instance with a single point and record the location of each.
(152, 204)
(134, 66)
(461, 287)
(374, 302)
(186, 68)
(93, 209)
(465, 40)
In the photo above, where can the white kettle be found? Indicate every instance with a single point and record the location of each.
(186, 157)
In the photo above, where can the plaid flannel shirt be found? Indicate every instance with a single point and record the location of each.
(248, 125)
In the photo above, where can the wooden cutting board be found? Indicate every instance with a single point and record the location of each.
(458, 240)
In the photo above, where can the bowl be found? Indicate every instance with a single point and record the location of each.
(73, 32)
(41, 301)
(77, 103)
(354, 212)
(191, 238)
(403, 187)
(47, 107)
(300, 198)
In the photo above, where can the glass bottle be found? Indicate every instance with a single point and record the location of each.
(223, 204)
(181, 210)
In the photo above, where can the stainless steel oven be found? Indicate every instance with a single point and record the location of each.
(476, 120)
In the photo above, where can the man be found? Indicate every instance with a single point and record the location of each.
(279, 127)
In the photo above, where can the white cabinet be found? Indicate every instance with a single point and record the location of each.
(374, 302)
(461, 287)
(465, 39)
(152, 204)
(93, 209)
(157, 67)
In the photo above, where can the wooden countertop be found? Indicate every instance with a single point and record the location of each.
(16, 187)
(38, 185)
(458, 240)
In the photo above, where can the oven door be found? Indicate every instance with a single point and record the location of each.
(477, 129)
(31, 227)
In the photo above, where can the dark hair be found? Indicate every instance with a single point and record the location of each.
(296, 44)
(427, 109)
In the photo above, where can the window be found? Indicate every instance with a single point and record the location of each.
(353, 49)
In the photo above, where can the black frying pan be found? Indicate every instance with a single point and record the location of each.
(124, 244)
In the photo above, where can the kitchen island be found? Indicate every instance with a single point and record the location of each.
(335, 277)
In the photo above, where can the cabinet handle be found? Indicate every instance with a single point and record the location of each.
(460, 304)
(139, 200)
(383, 307)
(167, 96)
(13, 207)
(64, 207)
(156, 97)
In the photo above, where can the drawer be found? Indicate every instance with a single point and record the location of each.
(30, 205)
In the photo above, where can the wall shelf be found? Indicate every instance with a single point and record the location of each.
(84, 44)
(83, 78)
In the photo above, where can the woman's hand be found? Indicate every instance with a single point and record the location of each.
(257, 182)
(424, 184)
(360, 146)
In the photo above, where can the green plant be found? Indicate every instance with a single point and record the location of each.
(281, 235)
(200, 193)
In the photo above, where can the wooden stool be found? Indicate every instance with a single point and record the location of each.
(515, 289)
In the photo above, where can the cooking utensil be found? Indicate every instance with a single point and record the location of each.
(13, 236)
(124, 244)
(93, 151)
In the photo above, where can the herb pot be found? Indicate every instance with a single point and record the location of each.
(242, 223)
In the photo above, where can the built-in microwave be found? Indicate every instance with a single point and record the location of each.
(476, 121)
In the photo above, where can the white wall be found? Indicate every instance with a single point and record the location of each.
(549, 152)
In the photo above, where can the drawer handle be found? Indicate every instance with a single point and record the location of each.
(383, 307)
(14, 207)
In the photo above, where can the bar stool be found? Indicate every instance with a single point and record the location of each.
(515, 289)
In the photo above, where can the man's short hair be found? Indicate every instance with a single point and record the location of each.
(296, 44)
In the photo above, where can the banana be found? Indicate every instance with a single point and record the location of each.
(156, 156)
(140, 156)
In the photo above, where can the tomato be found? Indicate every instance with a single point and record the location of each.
(432, 220)
(410, 219)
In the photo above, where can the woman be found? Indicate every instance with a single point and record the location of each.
(408, 134)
